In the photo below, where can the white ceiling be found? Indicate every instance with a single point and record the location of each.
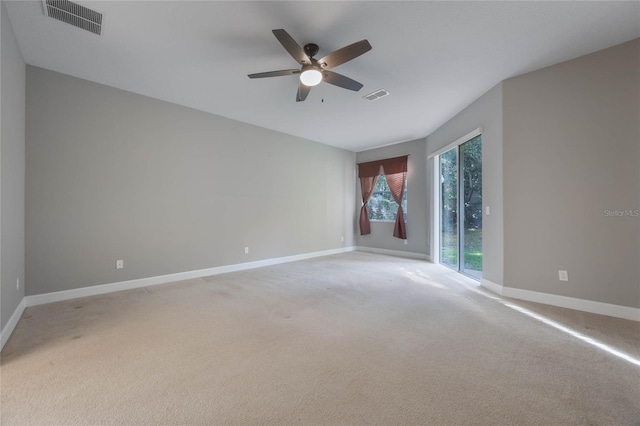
(434, 57)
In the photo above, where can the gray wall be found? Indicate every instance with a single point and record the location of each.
(12, 169)
(485, 112)
(571, 152)
(417, 218)
(114, 175)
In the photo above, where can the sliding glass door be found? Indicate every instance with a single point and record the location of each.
(471, 207)
(449, 208)
(461, 207)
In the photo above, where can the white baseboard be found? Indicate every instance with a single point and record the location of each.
(11, 324)
(618, 311)
(58, 296)
(491, 286)
(398, 253)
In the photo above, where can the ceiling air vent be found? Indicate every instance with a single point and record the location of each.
(74, 14)
(376, 95)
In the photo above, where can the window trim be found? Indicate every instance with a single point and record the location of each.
(472, 134)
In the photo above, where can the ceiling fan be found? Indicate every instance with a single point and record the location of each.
(313, 70)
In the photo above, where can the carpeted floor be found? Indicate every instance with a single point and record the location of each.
(355, 338)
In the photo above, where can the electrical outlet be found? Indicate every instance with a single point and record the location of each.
(563, 275)
(406, 242)
(246, 250)
(487, 210)
(342, 238)
(119, 264)
(18, 283)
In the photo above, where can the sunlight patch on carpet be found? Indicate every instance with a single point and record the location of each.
(583, 337)
(574, 333)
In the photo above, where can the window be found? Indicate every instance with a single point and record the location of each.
(382, 207)
(379, 191)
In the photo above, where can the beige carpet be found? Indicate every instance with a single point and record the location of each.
(349, 339)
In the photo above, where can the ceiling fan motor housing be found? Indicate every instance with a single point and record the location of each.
(311, 49)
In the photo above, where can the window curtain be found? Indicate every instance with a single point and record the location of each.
(396, 186)
(395, 172)
(367, 184)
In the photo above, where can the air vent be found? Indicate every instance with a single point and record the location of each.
(373, 96)
(74, 14)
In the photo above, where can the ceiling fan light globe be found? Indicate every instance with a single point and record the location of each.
(311, 77)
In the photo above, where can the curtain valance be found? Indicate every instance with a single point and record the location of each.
(389, 166)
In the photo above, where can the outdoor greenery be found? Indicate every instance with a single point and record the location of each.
(382, 206)
(472, 252)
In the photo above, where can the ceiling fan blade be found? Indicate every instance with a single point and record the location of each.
(345, 54)
(303, 91)
(341, 81)
(291, 46)
(274, 73)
